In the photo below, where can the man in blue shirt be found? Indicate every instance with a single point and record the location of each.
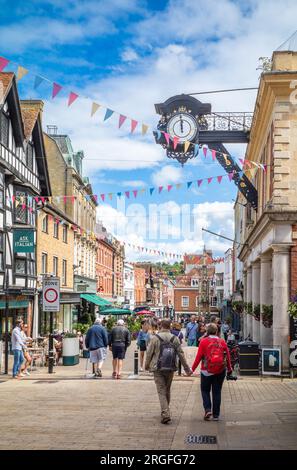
(17, 345)
(191, 332)
(97, 341)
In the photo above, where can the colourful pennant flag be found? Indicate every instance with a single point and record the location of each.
(72, 97)
(209, 180)
(158, 134)
(110, 195)
(205, 148)
(213, 154)
(219, 178)
(133, 125)
(122, 119)
(95, 107)
(108, 114)
(119, 194)
(169, 187)
(56, 89)
(199, 182)
(230, 176)
(167, 137)
(160, 189)
(38, 80)
(21, 72)
(3, 63)
(152, 190)
(102, 197)
(127, 194)
(186, 146)
(175, 142)
(196, 150)
(189, 184)
(135, 192)
(144, 129)
(178, 185)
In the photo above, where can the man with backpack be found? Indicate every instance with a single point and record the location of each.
(215, 357)
(161, 358)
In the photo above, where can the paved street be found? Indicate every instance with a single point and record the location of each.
(69, 411)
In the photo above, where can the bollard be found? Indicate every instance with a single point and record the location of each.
(179, 367)
(136, 362)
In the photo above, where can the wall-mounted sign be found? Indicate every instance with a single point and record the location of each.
(271, 361)
(23, 241)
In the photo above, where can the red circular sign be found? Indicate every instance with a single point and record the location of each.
(51, 295)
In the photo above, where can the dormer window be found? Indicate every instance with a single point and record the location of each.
(4, 128)
(195, 282)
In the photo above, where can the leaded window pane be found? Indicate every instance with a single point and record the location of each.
(4, 129)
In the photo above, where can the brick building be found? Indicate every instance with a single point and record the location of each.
(139, 286)
(104, 268)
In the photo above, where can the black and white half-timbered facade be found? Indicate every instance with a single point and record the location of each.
(23, 177)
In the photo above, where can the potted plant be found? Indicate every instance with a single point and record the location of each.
(256, 312)
(267, 315)
(292, 308)
(83, 328)
(70, 349)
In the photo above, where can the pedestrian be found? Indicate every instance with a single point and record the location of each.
(225, 329)
(119, 341)
(96, 342)
(17, 345)
(142, 340)
(161, 360)
(176, 331)
(215, 357)
(191, 332)
(201, 332)
(153, 326)
(27, 357)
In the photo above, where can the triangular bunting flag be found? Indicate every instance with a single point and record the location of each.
(122, 119)
(209, 180)
(230, 176)
(21, 72)
(95, 107)
(135, 192)
(102, 197)
(196, 150)
(56, 89)
(219, 178)
(142, 190)
(189, 184)
(178, 185)
(108, 114)
(199, 182)
(110, 195)
(167, 137)
(205, 148)
(144, 129)
(119, 194)
(175, 142)
(3, 63)
(127, 194)
(133, 125)
(169, 187)
(152, 190)
(160, 189)
(213, 154)
(241, 161)
(72, 97)
(158, 134)
(186, 146)
(38, 80)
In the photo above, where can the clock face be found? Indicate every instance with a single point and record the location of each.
(183, 126)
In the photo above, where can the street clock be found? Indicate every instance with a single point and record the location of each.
(183, 126)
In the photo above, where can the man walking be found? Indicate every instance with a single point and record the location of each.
(161, 358)
(215, 356)
(97, 342)
(119, 341)
(17, 345)
(191, 331)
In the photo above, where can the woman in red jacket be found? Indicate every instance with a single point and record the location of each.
(215, 356)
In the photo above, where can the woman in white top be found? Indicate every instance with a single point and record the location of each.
(27, 356)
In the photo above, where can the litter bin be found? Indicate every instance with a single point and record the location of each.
(248, 358)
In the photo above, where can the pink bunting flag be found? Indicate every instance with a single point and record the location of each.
(42, 200)
(3, 63)
(122, 119)
(72, 199)
(36, 199)
(205, 150)
(209, 180)
(169, 187)
(167, 137)
(127, 194)
(72, 97)
(175, 142)
(65, 199)
(230, 176)
(133, 125)
(241, 161)
(219, 178)
(199, 182)
(160, 189)
(95, 197)
(213, 154)
(102, 197)
(265, 168)
(56, 89)
(135, 192)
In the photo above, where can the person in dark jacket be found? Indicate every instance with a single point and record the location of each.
(97, 342)
(119, 341)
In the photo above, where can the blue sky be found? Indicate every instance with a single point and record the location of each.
(129, 55)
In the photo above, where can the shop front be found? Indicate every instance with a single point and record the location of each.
(68, 315)
(18, 307)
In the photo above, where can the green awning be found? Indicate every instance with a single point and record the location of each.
(95, 299)
(115, 311)
(15, 304)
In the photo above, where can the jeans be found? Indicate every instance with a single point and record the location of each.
(18, 359)
(192, 342)
(212, 383)
(163, 381)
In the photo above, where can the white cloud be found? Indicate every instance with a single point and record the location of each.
(134, 183)
(129, 55)
(167, 175)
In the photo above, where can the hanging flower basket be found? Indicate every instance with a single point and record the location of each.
(256, 312)
(267, 315)
(292, 308)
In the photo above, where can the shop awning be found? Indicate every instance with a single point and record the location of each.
(95, 299)
(15, 304)
(115, 311)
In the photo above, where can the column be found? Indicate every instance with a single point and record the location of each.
(281, 283)
(265, 297)
(244, 316)
(256, 299)
(249, 322)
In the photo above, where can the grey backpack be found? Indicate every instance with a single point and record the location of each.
(168, 355)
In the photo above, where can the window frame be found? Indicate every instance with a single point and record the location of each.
(64, 272)
(56, 271)
(43, 253)
(56, 229)
(2, 251)
(182, 301)
(65, 234)
(45, 219)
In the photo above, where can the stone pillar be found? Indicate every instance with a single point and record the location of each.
(256, 299)
(244, 316)
(249, 299)
(281, 284)
(265, 297)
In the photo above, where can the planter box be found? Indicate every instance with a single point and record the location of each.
(70, 351)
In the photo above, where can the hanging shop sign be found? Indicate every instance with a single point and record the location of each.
(23, 241)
